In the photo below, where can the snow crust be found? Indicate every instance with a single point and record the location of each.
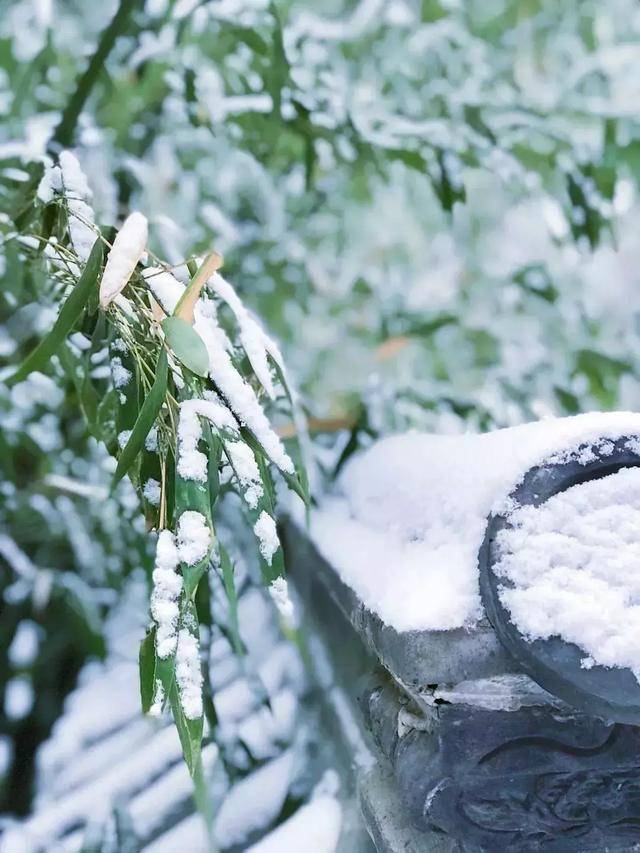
(408, 515)
(575, 565)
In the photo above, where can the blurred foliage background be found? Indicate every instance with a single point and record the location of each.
(433, 205)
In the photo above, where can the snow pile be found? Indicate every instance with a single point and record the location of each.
(189, 674)
(265, 530)
(408, 517)
(246, 469)
(193, 537)
(574, 563)
(128, 247)
(192, 464)
(167, 585)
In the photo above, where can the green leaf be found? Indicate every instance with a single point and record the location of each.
(232, 599)
(147, 661)
(71, 310)
(145, 420)
(65, 131)
(187, 344)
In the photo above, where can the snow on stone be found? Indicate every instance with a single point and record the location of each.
(121, 376)
(189, 674)
(574, 563)
(265, 530)
(167, 585)
(193, 537)
(246, 470)
(314, 827)
(128, 247)
(405, 523)
(252, 336)
(255, 801)
(78, 195)
(152, 492)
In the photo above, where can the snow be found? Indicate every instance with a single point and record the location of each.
(193, 537)
(238, 393)
(151, 491)
(165, 287)
(121, 376)
(189, 674)
(252, 336)
(279, 592)
(265, 530)
(408, 516)
(18, 697)
(25, 644)
(167, 585)
(123, 437)
(78, 195)
(246, 469)
(128, 247)
(314, 827)
(574, 563)
(255, 801)
(192, 464)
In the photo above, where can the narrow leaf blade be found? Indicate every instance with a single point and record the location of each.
(69, 314)
(147, 661)
(145, 420)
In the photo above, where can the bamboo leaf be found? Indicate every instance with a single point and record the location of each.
(226, 567)
(187, 344)
(145, 420)
(299, 483)
(65, 131)
(147, 662)
(71, 310)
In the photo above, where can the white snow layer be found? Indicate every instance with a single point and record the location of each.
(128, 247)
(405, 524)
(189, 674)
(193, 537)
(575, 565)
(167, 585)
(255, 801)
(315, 827)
